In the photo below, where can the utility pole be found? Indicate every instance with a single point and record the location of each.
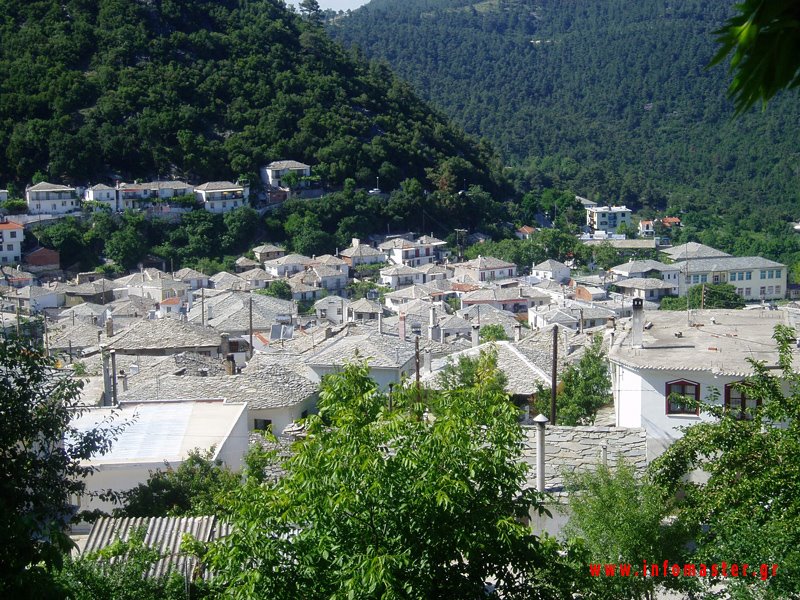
(416, 361)
(251, 325)
(554, 376)
(203, 306)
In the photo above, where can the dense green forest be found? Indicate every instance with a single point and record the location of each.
(204, 90)
(608, 98)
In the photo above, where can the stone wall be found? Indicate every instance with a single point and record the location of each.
(577, 448)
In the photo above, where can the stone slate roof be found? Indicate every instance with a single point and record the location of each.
(332, 302)
(361, 251)
(429, 240)
(230, 311)
(365, 306)
(289, 259)
(412, 292)
(256, 274)
(726, 263)
(101, 186)
(399, 270)
(523, 376)
(378, 350)
(243, 261)
(452, 322)
(158, 334)
(187, 364)
(550, 265)
(219, 186)
(487, 262)
(187, 273)
(328, 260)
(49, 187)
(692, 250)
(85, 309)
(642, 266)
(646, 283)
(82, 335)
(486, 314)
(268, 248)
(228, 281)
(276, 387)
(287, 164)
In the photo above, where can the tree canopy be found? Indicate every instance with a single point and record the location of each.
(420, 498)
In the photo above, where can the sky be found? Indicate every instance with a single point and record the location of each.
(336, 4)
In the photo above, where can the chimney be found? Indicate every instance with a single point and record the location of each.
(109, 327)
(225, 346)
(476, 336)
(106, 379)
(209, 313)
(230, 364)
(190, 302)
(427, 361)
(432, 325)
(356, 242)
(517, 332)
(638, 322)
(402, 326)
(380, 322)
(124, 376)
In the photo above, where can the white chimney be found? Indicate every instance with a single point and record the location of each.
(638, 322)
(476, 336)
(517, 332)
(402, 326)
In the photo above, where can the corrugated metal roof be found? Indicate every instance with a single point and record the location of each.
(164, 534)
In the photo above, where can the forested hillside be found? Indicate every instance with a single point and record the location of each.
(203, 89)
(609, 98)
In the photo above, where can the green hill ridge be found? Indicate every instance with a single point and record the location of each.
(203, 90)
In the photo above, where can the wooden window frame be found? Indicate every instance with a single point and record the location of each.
(741, 409)
(667, 393)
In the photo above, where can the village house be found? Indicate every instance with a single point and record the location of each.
(11, 236)
(274, 173)
(131, 195)
(192, 278)
(409, 253)
(648, 288)
(267, 252)
(691, 251)
(655, 369)
(483, 269)
(287, 265)
(525, 232)
(647, 268)
(222, 196)
(364, 310)
(15, 278)
(104, 195)
(152, 284)
(399, 276)
(51, 198)
(362, 254)
(551, 270)
(332, 309)
(41, 260)
(33, 299)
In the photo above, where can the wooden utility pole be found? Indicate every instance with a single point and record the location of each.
(554, 376)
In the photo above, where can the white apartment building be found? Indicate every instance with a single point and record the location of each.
(51, 199)
(222, 196)
(607, 218)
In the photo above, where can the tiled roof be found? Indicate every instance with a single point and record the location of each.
(10, 225)
(487, 262)
(256, 274)
(361, 251)
(228, 281)
(550, 265)
(328, 260)
(187, 273)
(646, 283)
(268, 248)
(378, 350)
(365, 306)
(399, 270)
(243, 261)
(230, 311)
(691, 250)
(642, 266)
(726, 263)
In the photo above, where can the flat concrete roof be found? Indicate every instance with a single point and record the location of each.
(720, 346)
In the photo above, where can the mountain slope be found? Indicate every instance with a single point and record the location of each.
(609, 97)
(202, 89)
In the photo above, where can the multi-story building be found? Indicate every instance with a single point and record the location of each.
(272, 175)
(607, 218)
(11, 235)
(484, 268)
(754, 278)
(51, 198)
(411, 253)
(222, 196)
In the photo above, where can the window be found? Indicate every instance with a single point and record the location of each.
(682, 397)
(736, 400)
(747, 291)
(703, 278)
(763, 290)
(262, 424)
(763, 274)
(13, 234)
(777, 289)
(770, 290)
(10, 247)
(778, 274)
(748, 275)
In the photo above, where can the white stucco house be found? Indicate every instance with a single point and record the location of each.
(222, 196)
(699, 361)
(51, 198)
(273, 174)
(11, 236)
(551, 270)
